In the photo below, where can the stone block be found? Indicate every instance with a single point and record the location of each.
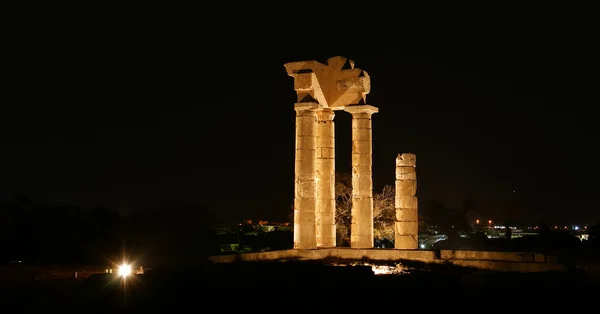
(406, 228)
(362, 186)
(404, 173)
(305, 82)
(361, 121)
(362, 209)
(325, 205)
(406, 187)
(305, 128)
(406, 202)
(406, 160)
(324, 153)
(406, 242)
(362, 160)
(405, 170)
(324, 131)
(362, 135)
(306, 190)
(325, 142)
(407, 215)
(305, 142)
(362, 147)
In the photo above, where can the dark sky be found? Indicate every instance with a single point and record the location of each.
(135, 115)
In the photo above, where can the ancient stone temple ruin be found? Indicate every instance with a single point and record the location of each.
(323, 89)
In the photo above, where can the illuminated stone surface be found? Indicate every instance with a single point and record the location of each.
(321, 89)
(407, 217)
(325, 179)
(361, 232)
(334, 86)
(305, 189)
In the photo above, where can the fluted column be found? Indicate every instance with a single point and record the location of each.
(407, 215)
(325, 178)
(305, 188)
(361, 231)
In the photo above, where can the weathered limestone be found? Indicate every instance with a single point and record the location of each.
(325, 178)
(361, 232)
(321, 89)
(407, 216)
(305, 190)
(335, 85)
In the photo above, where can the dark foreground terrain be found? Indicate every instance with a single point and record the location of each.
(296, 286)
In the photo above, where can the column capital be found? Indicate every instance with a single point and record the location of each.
(301, 106)
(361, 109)
(325, 114)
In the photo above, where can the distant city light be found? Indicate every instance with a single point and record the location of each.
(489, 222)
(477, 221)
(576, 228)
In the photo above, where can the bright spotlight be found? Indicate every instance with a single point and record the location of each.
(124, 270)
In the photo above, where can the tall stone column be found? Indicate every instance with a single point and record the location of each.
(305, 190)
(407, 215)
(325, 178)
(361, 231)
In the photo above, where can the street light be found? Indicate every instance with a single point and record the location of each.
(124, 270)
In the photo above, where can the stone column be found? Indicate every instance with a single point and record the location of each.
(407, 215)
(304, 179)
(361, 231)
(325, 178)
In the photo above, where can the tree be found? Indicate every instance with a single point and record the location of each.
(384, 213)
(383, 210)
(343, 204)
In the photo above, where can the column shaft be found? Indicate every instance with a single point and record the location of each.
(305, 190)
(407, 216)
(325, 178)
(361, 231)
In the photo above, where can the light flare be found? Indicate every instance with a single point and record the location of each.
(124, 270)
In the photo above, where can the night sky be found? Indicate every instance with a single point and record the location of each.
(136, 115)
